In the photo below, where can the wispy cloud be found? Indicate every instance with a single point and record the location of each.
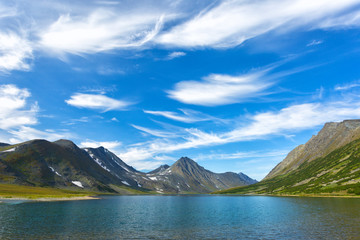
(16, 52)
(187, 116)
(242, 155)
(7, 11)
(106, 70)
(105, 26)
(101, 30)
(348, 20)
(221, 89)
(75, 121)
(25, 133)
(175, 55)
(230, 23)
(154, 132)
(97, 102)
(294, 118)
(256, 164)
(314, 43)
(348, 86)
(111, 145)
(285, 121)
(15, 111)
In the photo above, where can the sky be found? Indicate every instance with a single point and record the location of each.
(234, 85)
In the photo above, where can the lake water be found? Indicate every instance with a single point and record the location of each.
(183, 217)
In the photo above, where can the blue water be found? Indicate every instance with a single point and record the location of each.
(183, 217)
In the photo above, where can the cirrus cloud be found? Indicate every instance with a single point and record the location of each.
(220, 89)
(231, 22)
(97, 102)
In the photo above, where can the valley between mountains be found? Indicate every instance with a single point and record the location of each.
(327, 165)
(63, 165)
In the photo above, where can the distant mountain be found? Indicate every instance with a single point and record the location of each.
(187, 176)
(4, 144)
(62, 164)
(184, 176)
(327, 164)
(247, 179)
(159, 169)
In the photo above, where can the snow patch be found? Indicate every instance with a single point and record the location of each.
(153, 178)
(115, 160)
(125, 168)
(100, 163)
(126, 183)
(10, 150)
(159, 190)
(52, 169)
(77, 183)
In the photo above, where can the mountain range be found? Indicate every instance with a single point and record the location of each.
(62, 164)
(328, 164)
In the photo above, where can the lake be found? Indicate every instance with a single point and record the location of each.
(183, 217)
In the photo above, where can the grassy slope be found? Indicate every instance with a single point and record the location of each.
(18, 191)
(338, 173)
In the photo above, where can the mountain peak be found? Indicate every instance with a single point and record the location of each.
(66, 143)
(159, 169)
(186, 160)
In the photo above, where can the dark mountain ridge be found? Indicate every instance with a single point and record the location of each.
(62, 164)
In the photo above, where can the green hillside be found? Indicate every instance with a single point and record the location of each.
(338, 173)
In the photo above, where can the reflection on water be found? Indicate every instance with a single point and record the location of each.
(184, 217)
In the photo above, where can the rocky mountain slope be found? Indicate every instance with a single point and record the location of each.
(332, 136)
(62, 164)
(186, 176)
(329, 163)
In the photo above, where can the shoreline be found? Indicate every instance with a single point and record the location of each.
(287, 195)
(48, 199)
(59, 199)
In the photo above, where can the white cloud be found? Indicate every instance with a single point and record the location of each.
(294, 118)
(255, 164)
(220, 89)
(16, 114)
(111, 145)
(101, 30)
(25, 133)
(105, 70)
(7, 11)
(351, 19)
(157, 133)
(242, 155)
(314, 43)
(232, 22)
(347, 86)
(15, 52)
(97, 101)
(188, 116)
(14, 110)
(175, 55)
(285, 121)
(76, 121)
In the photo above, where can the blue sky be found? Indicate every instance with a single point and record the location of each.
(234, 85)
